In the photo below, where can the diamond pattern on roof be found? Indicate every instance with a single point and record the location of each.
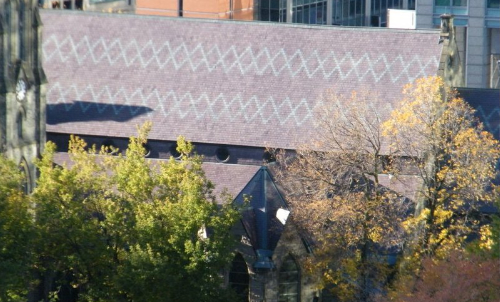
(490, 120)
(244, 60)
(186, 105)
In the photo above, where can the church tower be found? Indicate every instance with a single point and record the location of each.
(22, 85)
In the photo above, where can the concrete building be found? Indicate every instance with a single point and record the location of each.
(22, 85)
(478, 33)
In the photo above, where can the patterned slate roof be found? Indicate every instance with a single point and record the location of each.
(487, 105)
(235, 83)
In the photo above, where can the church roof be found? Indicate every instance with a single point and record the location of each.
(234, 83)
(487, 105)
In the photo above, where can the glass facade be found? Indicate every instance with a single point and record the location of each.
(348, 12)
(411, 4)
(309, 11)
(450, 2)
(493, 14)
(273, 10)
(454, 7)
(493, 3)
(379, 11)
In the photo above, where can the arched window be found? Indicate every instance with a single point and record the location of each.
(289, 281)
(239, 278)
(20, 31)
(26, 184)
(8, 24)
(19, 126)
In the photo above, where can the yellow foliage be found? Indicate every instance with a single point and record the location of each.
(456, 161)
(486, 241)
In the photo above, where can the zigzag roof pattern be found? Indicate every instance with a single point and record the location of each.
(230, 83)
(487, 105)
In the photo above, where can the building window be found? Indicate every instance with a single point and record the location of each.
(289, 281)
(411, 4)
(8, 23)
(239, 278)
(19, 123)
(273, 10)
(20, 31)
(222, 154)
(452, 7)
(493, 3)
(309, 11)
(379, 11)
(174, 152)
(26, 185)
(451, 2)
(348, 12)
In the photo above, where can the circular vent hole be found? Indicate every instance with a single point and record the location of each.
(173, 151)
(147, 150)
(222, 154)
(269, 157)
(110, 144)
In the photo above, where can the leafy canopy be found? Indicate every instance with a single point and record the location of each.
(124, 228)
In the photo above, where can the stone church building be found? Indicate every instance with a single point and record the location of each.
(22, 85)
(232, 88)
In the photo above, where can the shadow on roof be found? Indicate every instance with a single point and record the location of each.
(81, 111)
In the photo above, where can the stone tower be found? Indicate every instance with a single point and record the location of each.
(22, 85)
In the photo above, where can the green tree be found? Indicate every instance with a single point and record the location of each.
(121, 228)
(455, 160)
(16, 234)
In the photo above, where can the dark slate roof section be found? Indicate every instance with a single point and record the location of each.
(487, 104)
(234, 83)
(226, 177)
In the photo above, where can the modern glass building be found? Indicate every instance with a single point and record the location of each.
(330, 12)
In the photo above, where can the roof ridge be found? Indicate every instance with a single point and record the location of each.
(246, 22)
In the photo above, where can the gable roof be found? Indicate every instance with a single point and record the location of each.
(235, 83)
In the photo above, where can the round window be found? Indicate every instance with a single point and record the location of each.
(268, 157)
(147, 150)
(173, 151)
(110, 144)
(222, 154)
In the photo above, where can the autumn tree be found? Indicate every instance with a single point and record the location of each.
(455, 160)
(337, 197)
(16, 234)
(459, 277)
(121, 228)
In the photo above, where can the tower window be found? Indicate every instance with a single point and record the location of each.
(26, 185)
(19, 123)
(20, 31)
